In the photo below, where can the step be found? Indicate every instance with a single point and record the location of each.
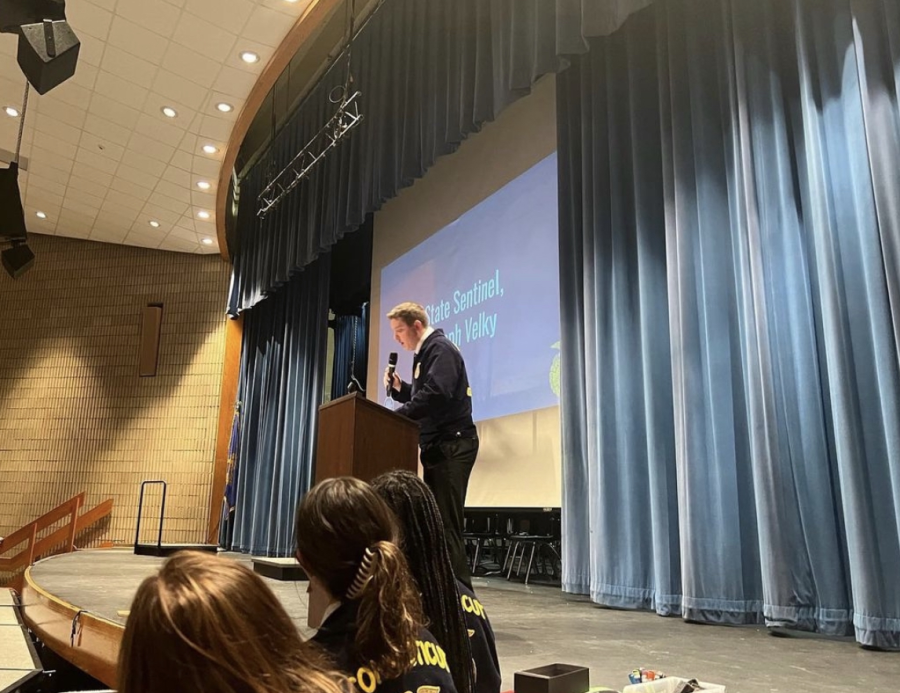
(163, 550)
(285, 569)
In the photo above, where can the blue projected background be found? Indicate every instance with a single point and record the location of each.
(490, 280)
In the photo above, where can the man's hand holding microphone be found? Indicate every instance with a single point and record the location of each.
(391, 379)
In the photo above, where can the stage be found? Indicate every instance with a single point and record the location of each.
(534, 626)
(97, 587)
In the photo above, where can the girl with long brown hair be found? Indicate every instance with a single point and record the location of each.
(210, 624)
(373, 625)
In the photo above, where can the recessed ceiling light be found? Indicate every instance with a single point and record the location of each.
(203, 185)
(210, 149)
(224, 107)
(11, 112)
(203, 214)
(41, 215)
(250, 57)
(154, 223)
(207, 241)
(169, 112)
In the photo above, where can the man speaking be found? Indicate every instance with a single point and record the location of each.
(440, 401)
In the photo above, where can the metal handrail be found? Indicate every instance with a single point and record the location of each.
(162, 511)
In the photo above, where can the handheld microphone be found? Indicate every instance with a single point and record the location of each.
(392, 366)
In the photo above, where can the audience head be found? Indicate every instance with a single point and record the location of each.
(347, 541)
(211, 624)
(426, 551)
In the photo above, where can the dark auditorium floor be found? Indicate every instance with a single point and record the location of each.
(541, 625)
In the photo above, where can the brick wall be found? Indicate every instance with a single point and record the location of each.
(75, 416)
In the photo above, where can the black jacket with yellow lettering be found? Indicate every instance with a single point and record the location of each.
(481, 639)
(438, 398)
(429, 673)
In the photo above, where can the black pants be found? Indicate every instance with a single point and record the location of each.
(447, 468)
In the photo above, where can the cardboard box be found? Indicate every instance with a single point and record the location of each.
(553, 678)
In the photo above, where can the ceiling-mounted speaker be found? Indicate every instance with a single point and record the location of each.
(48, 54)
(17, 13)
(17, 260)
(12, 216)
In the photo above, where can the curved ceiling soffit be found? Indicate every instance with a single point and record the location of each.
(303, 30)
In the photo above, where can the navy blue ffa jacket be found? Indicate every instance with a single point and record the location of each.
(429, 673)
(438, 398)
(481, 640)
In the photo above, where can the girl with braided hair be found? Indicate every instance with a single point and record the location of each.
(205, 623)
(455, 615)
(372, 627)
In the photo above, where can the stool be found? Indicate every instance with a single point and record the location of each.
(481, 542)
(483, 534)
(519, 545)
(478, 538)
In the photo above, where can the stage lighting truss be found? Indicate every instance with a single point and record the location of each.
(345, 119)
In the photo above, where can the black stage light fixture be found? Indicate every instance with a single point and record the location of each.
(18, 259)
(48, 48)
(12, 216)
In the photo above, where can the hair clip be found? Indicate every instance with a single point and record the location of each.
(363, 575)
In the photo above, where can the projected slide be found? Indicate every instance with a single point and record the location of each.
(490, 280)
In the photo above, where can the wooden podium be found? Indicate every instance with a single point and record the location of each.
(363, 439)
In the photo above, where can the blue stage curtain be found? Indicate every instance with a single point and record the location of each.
(730, 280)
(431, 72)
(280, 390)
(351, 352)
